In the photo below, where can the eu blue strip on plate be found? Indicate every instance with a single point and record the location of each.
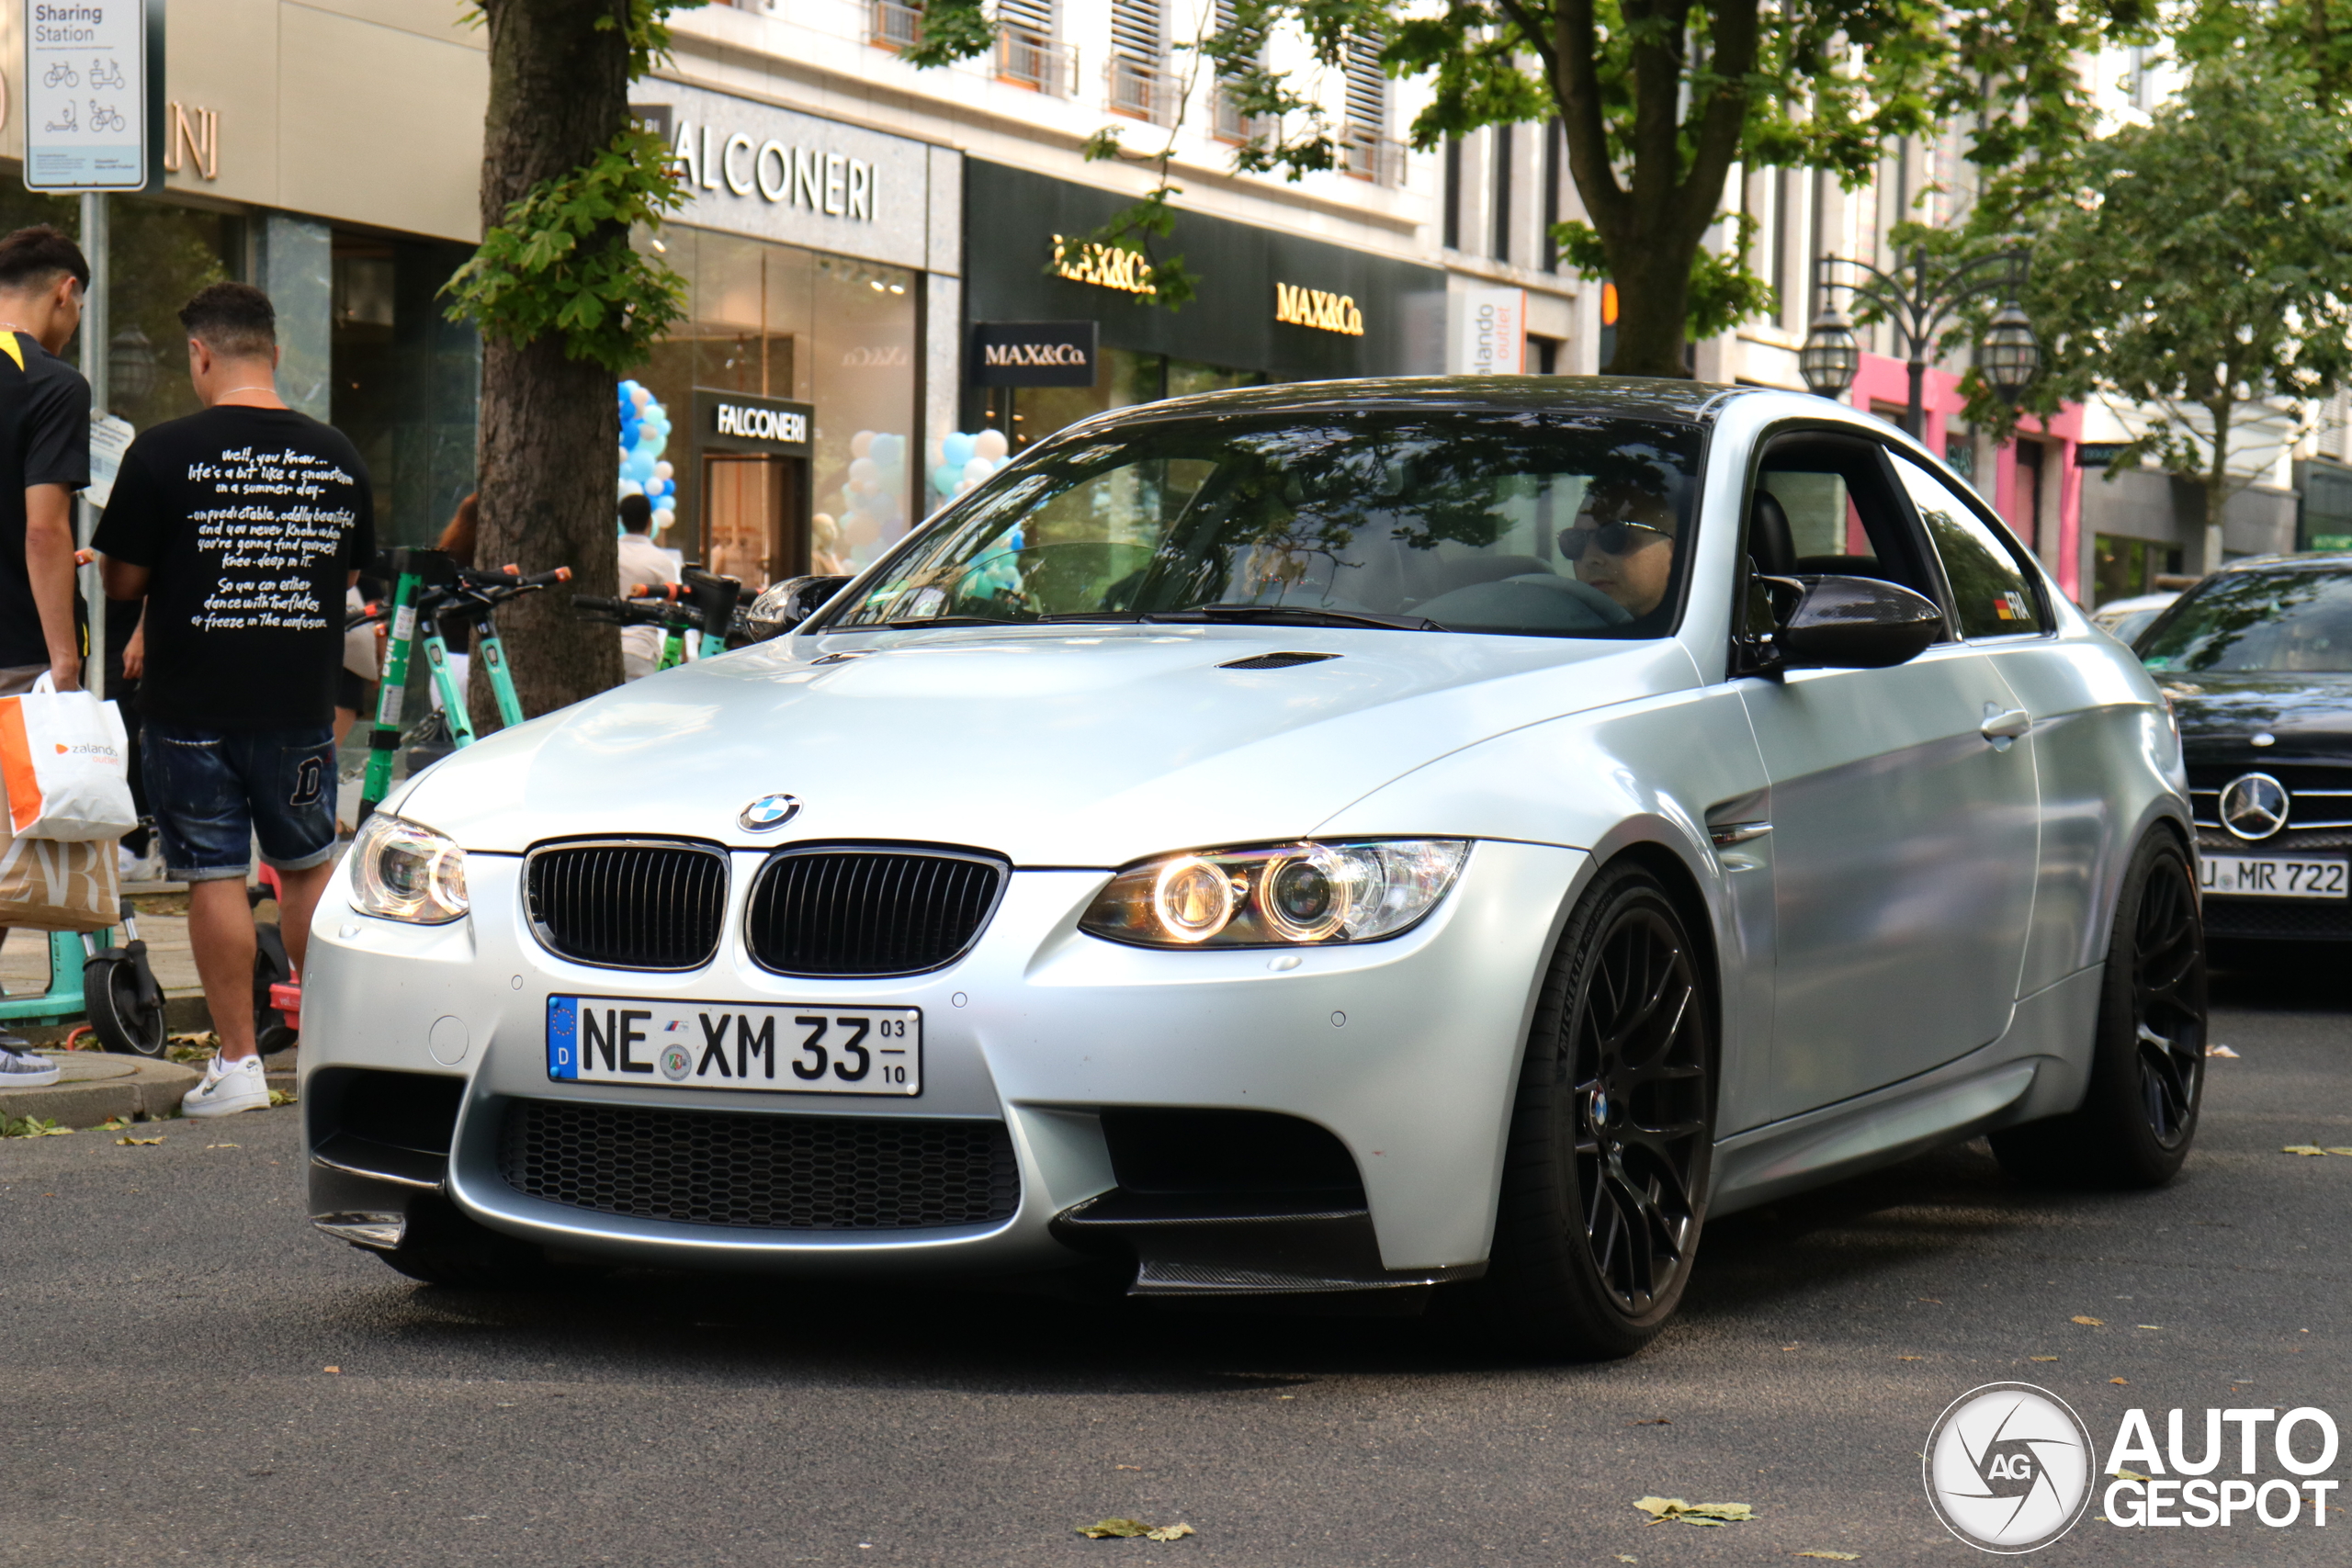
(564, 1036)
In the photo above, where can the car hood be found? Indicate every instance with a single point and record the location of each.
(1051, 746)
(2309, 714)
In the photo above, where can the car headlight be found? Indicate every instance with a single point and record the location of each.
(404, 871)
(1277, 895)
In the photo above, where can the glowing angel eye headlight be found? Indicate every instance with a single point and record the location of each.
(1278, 895)
(404, 871)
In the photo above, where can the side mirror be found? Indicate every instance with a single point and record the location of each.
(1851, 623)
(784, 605)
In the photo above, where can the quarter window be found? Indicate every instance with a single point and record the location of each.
(1989, 588)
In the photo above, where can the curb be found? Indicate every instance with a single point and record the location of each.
(98, 1086)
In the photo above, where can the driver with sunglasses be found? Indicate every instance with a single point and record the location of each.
(1623, 544)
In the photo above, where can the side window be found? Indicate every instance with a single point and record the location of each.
(1989, 588)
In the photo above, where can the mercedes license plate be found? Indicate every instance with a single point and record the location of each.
(788, 1048)
(2271, 876)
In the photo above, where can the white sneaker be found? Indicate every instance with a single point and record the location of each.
(22, 1069)
(228, 1087)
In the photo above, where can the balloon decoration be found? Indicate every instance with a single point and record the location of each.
(645, 430)
(966, 458)
(873, 501)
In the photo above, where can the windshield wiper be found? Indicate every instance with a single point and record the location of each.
(1296, 615)
(1123, 617)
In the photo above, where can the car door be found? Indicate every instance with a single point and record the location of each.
(1904, 829)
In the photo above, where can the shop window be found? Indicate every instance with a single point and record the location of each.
(2124, 568)
(2024, 504)
(1123, 378)
(1959, 453)
(406, 379)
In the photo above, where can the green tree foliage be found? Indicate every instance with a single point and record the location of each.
(2203, 262)
(1659, 98)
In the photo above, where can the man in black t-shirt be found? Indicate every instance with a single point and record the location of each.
(241, 526)
(44, 458)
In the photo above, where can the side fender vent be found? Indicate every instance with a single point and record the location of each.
(1276, 660)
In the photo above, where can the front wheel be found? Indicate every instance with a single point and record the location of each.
(2147, 1084)
(1605, 1176)
(125, 1005)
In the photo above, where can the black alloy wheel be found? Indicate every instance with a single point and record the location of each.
(125, 1005)
(2168, 1002)
(1606, 1174)
(2139, 1111)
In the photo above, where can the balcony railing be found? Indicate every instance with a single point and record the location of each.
(1032, 60)
(1232, 125)
(1144, 91)
(1368, 155)
(891, 26)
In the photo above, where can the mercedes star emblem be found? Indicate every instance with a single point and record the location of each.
(2254, 806)
(768, 812)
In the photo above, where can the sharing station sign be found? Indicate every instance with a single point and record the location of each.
(89, 123)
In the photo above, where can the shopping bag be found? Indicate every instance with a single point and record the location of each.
(65, 763)
(46, 884)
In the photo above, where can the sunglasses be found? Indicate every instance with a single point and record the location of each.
(1614, 538)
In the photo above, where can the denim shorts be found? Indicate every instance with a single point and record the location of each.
(213, 792)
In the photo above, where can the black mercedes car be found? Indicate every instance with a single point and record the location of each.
(2257, 662)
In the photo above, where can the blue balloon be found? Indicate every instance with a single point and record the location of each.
(956, 450)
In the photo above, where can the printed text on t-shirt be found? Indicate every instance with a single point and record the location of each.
(268, 537)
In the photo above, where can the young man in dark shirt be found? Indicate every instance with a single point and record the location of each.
(44, 458)
(241, 527)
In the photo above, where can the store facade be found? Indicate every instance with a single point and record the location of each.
(812, 252)
(1272, 307)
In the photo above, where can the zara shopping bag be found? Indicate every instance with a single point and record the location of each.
(64, 762)
(48, 886)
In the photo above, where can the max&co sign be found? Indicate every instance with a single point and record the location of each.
(1033, 354)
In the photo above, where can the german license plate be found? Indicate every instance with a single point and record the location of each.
(787, 1049)
(2269, 877)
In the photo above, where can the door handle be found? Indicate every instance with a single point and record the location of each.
(2006, 725)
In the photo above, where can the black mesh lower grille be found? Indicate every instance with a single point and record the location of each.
(629, 906)
(811, 1173)
(2280, 920)
(856, 911)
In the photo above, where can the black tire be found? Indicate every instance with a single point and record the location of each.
(441, 1246)
(126, 1012)
(270, 967)
(1606, 1172)
(2139, 1115)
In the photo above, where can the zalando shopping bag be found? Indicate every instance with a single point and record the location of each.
(64, 762)
(46, 884)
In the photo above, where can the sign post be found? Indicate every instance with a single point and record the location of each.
(94, 123)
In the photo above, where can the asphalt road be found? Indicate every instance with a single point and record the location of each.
(188, 1374)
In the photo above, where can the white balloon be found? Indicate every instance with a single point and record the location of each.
(665, 471)
(990, 443)
(664, 518)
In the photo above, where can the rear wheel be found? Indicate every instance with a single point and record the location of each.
(2139, 1115)
(1604, 1177)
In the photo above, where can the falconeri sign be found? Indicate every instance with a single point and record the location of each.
(738, 421)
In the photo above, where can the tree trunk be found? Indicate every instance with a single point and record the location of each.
(2217, 480)
(1651, 314)
(558, 93)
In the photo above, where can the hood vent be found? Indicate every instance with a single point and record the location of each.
(1277, 660)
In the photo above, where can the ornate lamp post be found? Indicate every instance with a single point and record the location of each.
(1917, 299)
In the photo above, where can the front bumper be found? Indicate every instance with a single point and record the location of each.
(1406, 1050)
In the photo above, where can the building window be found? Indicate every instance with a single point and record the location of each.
(2125, 568)
(1453, 193)
(1366, 149)
(1027, 52)
(1554, 137)
(1231, 124)
(1543, 355)
(2025, 508)
(405, 380)
(1136, 79)
(1505, 151)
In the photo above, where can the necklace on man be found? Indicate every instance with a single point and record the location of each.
(235, 391)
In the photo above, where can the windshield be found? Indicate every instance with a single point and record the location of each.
(2268, 620)
(1560, 524)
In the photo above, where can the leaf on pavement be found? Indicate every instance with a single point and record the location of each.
(2091, 1322)
(1105, 1529)
(2222, 1051)
(1835, 1556)
(2125, 1383)
(2129, 1475)
(2042, 1358)
(1661, 1509)
(139, 1141)
(2302, 1149)
(2340, 1151)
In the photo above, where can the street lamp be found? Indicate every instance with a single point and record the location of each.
(2009, 356)
(1917, 299)
(1830, 355)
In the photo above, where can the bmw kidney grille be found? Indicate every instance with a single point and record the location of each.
(843, 910)
(629, 904)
